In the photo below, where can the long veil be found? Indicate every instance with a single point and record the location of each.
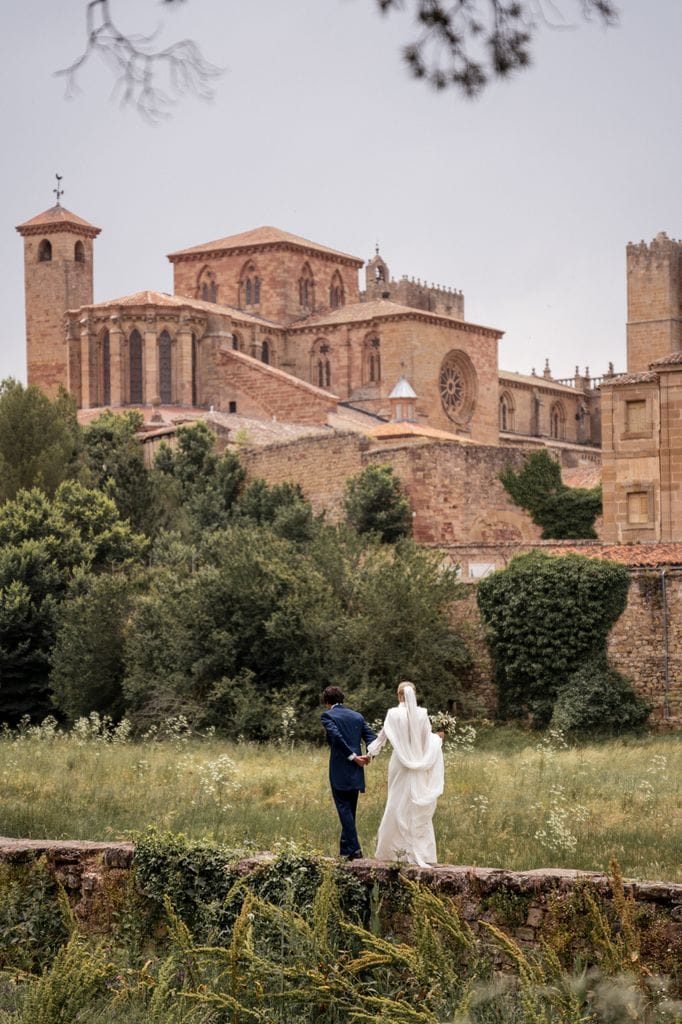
(417, 748)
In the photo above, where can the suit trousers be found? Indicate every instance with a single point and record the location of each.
(346, 801)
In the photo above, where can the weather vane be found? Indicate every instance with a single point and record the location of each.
(58, 191)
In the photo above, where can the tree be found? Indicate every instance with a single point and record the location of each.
(196, 487)
(87, 656)
(39, 439)
(463, 44)
(564, 513)
(547, 617)
(43, 543)
(375, 502)
(113, 463)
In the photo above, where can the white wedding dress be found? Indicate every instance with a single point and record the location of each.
(415, 781)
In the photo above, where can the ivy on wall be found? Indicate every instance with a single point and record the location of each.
(563, 513)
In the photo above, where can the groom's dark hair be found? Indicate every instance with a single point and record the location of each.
(333, 695)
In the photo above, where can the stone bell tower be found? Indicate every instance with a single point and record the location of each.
(57, 276)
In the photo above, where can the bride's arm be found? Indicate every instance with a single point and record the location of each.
(376, 746)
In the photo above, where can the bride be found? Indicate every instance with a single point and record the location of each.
(415, 781)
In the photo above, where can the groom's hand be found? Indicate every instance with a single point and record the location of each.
(362, 759)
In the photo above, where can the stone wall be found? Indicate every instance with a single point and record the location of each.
(654, 280)
(454, 488)
(525, 904)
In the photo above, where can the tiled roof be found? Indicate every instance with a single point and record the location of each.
(403, 389)
(358, 312)
(673, 359)
(57, 218)
(166, 301)
(389, 431)
(627, 554)
(646, 377)
(262, 236)
(536, 382)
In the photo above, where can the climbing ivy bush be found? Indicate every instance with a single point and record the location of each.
(564, 513)
(546, 617)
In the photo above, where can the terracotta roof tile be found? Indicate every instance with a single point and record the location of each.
(627, 554)
(358, 312)
(262, 236)
(536, 382)
(164, 300)
(57, 217)
(646, 377)
(389, 431)
(673, 359)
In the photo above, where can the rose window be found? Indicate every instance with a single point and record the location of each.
(451, 388)
(457, 385)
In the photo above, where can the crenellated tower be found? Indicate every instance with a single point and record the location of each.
(58, 275)
(654, 284)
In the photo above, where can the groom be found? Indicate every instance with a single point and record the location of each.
(346, 730)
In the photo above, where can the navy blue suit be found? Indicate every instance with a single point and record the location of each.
(346, 730)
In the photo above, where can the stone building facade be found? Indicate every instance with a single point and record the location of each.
(309, 339)
(642, 408)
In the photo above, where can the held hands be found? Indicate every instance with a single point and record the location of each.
(362, 759)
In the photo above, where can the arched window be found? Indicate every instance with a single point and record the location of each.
(165, 368)
(506, 411)
(266, 351)
(105, 369)
(321, 370)
(557, 421)
(45, 251)
(207, 286)
(306, 288)
(135, 367)
(237, 343)
(79, 252)
(372, 360)
(336, 292)
(195, 368)
(249, 285)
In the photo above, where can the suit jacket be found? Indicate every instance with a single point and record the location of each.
(346, 730)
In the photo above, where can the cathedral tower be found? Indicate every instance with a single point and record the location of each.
(654, 325)
(57, 277)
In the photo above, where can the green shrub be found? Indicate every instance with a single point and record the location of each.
(597, 699)
(546, 617)
(375, 503)
(564, 513)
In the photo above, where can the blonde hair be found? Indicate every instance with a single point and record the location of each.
(403, 686)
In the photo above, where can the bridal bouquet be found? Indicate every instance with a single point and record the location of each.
(443, 721)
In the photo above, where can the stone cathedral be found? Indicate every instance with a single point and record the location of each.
(273, 327)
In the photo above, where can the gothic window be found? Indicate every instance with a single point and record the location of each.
(165, 369)
(249, 285)
(372, 360)
(322, 367)
(266, 351)
(557, 422)
(45, 251)
(207, 286)
(506, 411)
(135, 367)
(195, 365)
(336, 294)
(457, 383)
(79, 252)
(105, 369)
(237, 344)
(306, 288)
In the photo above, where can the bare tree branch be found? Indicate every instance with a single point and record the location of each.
(137, 65)
(467, 43)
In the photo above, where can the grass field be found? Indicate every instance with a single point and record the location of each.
(513, 800)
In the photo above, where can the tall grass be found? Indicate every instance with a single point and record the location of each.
(512, 800)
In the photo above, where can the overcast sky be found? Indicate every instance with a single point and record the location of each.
(524, 199)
